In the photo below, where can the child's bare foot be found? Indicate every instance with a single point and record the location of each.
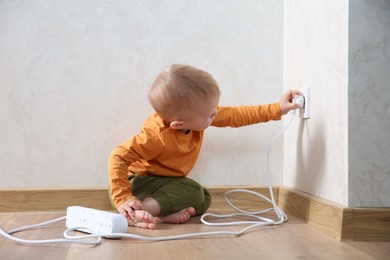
(178, 217)
(142, 219)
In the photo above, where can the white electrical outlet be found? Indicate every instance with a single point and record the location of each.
(304, 112)
(102, 222)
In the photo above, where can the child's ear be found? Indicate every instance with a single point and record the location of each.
(177, 125)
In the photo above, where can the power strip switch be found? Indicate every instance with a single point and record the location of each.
(92, 220)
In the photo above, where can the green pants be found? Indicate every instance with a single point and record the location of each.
(172, 194)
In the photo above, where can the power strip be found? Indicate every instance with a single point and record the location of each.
(92, 220)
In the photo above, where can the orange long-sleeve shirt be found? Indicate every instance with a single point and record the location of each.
(159, 150)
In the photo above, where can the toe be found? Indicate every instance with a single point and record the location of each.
(191, 211)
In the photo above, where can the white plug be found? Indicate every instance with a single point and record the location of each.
(299, 100)
(304, 112)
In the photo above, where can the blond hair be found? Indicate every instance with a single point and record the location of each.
(179, 91)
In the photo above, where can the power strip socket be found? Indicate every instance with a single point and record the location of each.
(102, 222)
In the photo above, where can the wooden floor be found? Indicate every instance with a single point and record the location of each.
(292, 240)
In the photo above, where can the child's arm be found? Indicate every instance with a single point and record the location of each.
(146, 145)
(238, 116)
(120, 189)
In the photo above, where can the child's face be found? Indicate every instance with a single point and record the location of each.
(203, 119)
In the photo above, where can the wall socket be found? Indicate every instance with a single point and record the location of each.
(305, 111)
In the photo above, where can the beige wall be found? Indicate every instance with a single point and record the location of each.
(74, 78)
(75, 74)
(316, 55)
(341, 50)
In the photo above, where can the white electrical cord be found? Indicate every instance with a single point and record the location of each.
(259, 221)
(46, 241)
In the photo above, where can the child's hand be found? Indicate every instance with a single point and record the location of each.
(286, 103)
(129, 206)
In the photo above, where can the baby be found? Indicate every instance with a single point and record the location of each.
(147, 173)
